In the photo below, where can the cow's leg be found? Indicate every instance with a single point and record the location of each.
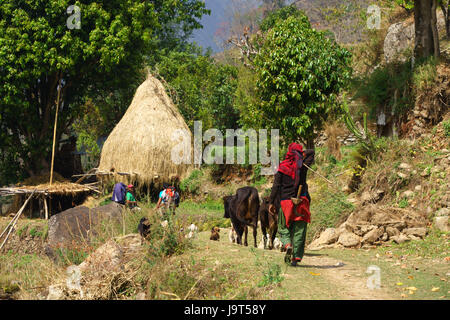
(263, 230)
(239, 230)
(255, 231)
(272, 234)
(246, 233)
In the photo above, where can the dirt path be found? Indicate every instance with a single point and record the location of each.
(318, 277)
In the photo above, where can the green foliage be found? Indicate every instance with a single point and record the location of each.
(446, 125)
(202, 88)
(69, 256)
(282, 14)
(102, 60)
(192, 183)
(271, 275)
(387, 87)
(299, 76)
(424, 75)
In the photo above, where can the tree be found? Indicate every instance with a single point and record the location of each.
(103, 58)
(426, 33)
(202, 89)
(425, 20)
(300, 73)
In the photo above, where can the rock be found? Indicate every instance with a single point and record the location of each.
(408, 194)
(106, 258)
(418, 188)
(79, 223)
(413, 237)
(348, 239)
(140, 296)
(424, 114)
(401, 238)
(367, 228)
(399, 40)
(442, 223)
(346, 189)
(373, 235)
(4, 209)
(391, 231)
(402, 175)
(400, 37)
(55, 292)
(425, 173)
(404, 166)
(371, 197)
(327, 237)
(436, 169)
(443, 212)
(418, 232)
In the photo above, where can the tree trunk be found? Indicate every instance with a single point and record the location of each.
(446, 11)
(310, 143)
(426, 34)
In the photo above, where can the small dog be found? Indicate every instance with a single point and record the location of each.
(144, 227)
(215, 234)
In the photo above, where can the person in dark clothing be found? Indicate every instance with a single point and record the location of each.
(119, 193)
(293, 220)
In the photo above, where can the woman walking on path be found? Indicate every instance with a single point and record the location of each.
(290, 184)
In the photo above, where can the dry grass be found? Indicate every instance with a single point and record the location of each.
(333, 130)
(141, 143)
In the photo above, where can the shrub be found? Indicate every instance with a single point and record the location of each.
(192, 183)
(446, 125)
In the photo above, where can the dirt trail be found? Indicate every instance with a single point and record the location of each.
(318, 277)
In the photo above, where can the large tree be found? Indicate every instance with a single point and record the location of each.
(426, 32)
(102, 58)
(300, 73)
(425, 21)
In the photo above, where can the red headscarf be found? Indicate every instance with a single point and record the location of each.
(290, 163)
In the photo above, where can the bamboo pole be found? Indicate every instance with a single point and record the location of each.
(13, 222)
(46, 208)
(54, 130)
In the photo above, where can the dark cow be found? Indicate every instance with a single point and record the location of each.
(242, 209)
(269, 222)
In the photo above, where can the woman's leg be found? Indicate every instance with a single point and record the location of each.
(285, 236)
(299, 239)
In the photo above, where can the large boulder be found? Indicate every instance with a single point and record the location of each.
(77, 225)
(417, 232)
(373, 235)
(401, 238)
(399, 41)
(349, 239)
(329, 236)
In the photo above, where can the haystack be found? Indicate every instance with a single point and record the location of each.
(141, 144)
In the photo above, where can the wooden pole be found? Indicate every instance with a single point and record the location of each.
(54, 130)
(13, 222)
(46, 208)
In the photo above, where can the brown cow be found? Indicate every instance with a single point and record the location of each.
(269, 221)
(242, 209)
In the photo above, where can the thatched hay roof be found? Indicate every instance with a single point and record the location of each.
(141, 143)
(56, 188)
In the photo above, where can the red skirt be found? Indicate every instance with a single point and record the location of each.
(301, 214)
